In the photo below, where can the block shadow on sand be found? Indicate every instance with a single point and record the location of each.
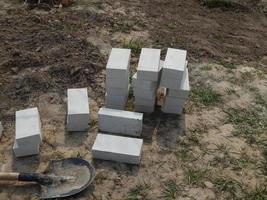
(165, 128)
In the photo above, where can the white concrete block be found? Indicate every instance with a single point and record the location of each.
(144, 109)
(143, 84)
(173, 101)
(172, 110)
(117, 83)
(25, 150)
(120, 121)
(113, 91)
(116, 106)
(148, 66)
(118, 63)
(117, 148)
(171, 83)
(148, 94)
(116, 100)
(78, 109)
(174, 64)
(145, 101)
(184, 89)
(28, 127)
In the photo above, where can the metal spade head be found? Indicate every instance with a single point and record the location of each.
(72, 175)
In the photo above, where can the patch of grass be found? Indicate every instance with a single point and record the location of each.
(205, 96)
(139, 191)
(195, 176)
(249, 122)
(133, 44)
(206, 67)
(170, 190)
(218, 3)
(260, 193)
(264, 162)
(227, 65)
(227, 185)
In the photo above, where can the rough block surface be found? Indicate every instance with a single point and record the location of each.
(28, 127)
(78, 109)
(144, 109)
(143, 84)
(120, 121)
(25, 150)
(118, 63)
(117, 148)
(149, 64)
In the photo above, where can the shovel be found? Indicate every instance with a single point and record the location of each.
(62, 178)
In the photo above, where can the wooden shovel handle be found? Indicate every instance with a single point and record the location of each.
(9, 176)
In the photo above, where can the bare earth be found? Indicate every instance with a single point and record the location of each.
(216, 150)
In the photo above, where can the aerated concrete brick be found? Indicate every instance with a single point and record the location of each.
(148, 65)
(119, 121)
(78, 110)
(141, 93)
(115, 100)
(184, 89)
(172, 83)
(117, 148)
(28, 127)
(25, 150)
(143, 84)
(174, 65)
(145, 101)
(172, 109)
(144, 109)
(113, 91)
(117, 83)
(118, 63)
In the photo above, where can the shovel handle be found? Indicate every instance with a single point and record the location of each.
(27, 177)
(9, 176)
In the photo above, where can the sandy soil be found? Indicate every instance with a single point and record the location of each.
(198, 155)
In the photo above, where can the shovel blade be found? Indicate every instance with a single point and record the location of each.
(75, 175)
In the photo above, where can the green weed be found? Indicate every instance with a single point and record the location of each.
(133, 44)
(205, 96)
(170, 190)
(139, 191)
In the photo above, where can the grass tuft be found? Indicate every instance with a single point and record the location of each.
(227, 185)
(195, 176)
(133, 44)
(139, 191)
(205, 96)
(170, 190)
(260, 193)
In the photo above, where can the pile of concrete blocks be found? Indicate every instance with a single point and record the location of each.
(119, 148)
(120, 121)
(145, 81)
(78, 110)
(117, 78)
(176, 81)
(28, 133)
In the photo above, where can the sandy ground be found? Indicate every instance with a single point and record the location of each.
(216, 150)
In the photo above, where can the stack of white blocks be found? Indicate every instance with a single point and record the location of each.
(117, 78)
(78, 110)
(145, 81)
(176, 81)
(118, 148)
(28, 133)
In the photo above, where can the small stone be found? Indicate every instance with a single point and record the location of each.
(15, 70)
(208, 184)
